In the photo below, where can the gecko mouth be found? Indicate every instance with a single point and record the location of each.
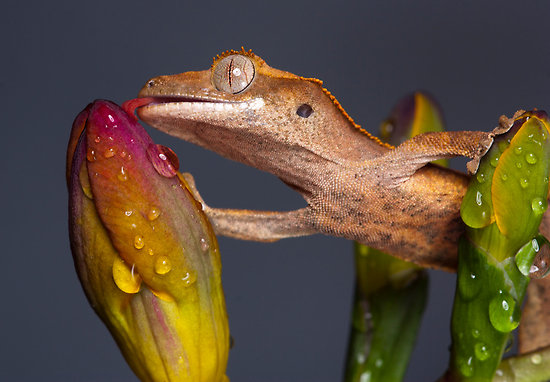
(207, 104)
(132, 105)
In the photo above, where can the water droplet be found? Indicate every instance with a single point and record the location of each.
(465, 366)
(479, 202)
(122, 175)
(90, 155)
(494, 161)
(519, 165)
(150, 251)
(504, 177)
(518, 150)
(97, 139)
(468, 284)
(366, 376)
(164, 160)
(125, 278)
(524, 182)
(536, 359)
(475, 333)
(189, 278)
(524, 257)
(138, 242)
(539, 206)
(128, 213)
(162, 265)
(480, 177)
(504, 313)
(481, 351)
(530, 158)
(379, 362)
(204, 244)
(541, 263)
(109, 153)
(153, 213)
(499, 373)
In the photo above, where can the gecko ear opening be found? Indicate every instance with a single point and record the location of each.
(233, 74)
(304, 110)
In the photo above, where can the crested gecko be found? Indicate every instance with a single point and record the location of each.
(354, 185)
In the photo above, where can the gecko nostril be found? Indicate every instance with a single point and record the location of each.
(304, 110)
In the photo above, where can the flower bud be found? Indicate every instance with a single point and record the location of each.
(144, 251)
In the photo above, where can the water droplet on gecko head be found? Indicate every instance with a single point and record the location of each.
(164, 160)
(163, 265)
(504, 313)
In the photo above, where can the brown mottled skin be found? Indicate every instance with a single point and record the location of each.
(354, 186)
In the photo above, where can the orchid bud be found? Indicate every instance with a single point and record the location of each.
(144, 251)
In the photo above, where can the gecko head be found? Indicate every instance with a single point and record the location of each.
(242, 102)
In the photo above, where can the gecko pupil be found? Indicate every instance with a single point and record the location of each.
(304, 110)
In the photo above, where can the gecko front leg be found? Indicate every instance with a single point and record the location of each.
(252, 225)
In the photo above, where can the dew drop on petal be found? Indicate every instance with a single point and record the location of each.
(541, 265)
(189, 278)
(109, 153)
(128, 213)
(539, 206)
(123, 174)
(504, 313)
(204, 244)
(530, 158)
(480, 177)
(162, 265)
(90, 155)
(465, 366)
(150, 251)
(518, 150)
(475, 333)
(519, 165)
(481, 351)
(524, 182)
(164, 160)
(126, 279)
(479, 201)
(504, 177)
(494, 161)
(153, 213)
(138, 242)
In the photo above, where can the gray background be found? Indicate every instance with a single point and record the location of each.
(288, 302)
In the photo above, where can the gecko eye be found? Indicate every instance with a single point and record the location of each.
(233, 74)
(304, 110)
